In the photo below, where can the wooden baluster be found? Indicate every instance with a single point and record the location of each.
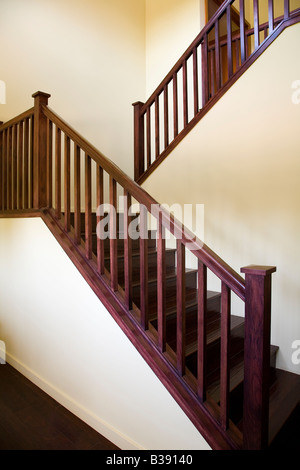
(225, 355)
(161, 285)
(286, 9)
(211, 56)
(157, 136)
(100, 237)
(26, 164)
(88, 207)
(77, 192)
(15, 168)
(113, 234)
(144, 267)
(31, 163)
(20, 165)
(237, 56)
(5, 205)
(148, 134)
(256, 24)
(166, 117)
(67, 184)
(49, 161)
(9, 167)
(57, 173)
(185, 94)
(229, 43)
(202, 313)
(139, 152)
(271, 15)
(195, 81)
(181, 314)
(4, 177)
(1, 168)
(217, 57)
(175, 104)
(127, 251)
(205, 84)
(242, 31)
(40, 151)
(257, 355)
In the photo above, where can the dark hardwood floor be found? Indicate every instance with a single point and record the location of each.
(31, 420)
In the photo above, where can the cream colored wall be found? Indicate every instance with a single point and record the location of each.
(59, 335)
(242, 161)
(171, 26)
(89, 55)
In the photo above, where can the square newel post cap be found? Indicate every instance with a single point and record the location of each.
(257, 270)
(40, 93)
(40, 97)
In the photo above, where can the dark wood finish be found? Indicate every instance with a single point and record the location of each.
(77, 195)
(127, 251)
(175, 104)
(67, 184)
(242, 31)
(144, 267)
(100, 240)
(139, 165)
(256, 23)
(58, 173)
(225, 355)
(88, 206)
(113, 234)
(195, 83)
(161, 286)
(229, 43)
(205, 80)
(202, 330)
(257, 355)
(181, 311)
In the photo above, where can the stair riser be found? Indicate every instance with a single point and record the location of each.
(152, 265)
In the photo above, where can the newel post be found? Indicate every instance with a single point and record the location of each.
(257, 355)
(40, 151)
(139, 152)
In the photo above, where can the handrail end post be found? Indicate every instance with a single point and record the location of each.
(257, 355)
(139, 152)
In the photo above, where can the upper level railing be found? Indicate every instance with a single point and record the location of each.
(47, 166)
(215, 59)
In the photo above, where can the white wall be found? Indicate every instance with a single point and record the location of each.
(242, 161)
(88, 54)
(171, 26)
(59, 335)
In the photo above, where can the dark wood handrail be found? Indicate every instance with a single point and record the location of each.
(21, 117)
(221, 269)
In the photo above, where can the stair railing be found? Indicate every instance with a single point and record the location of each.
(47, 167)
(210, 65)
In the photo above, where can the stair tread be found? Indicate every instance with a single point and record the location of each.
(236, 373)
(284, 398)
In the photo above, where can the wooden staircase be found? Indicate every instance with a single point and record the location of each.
(218, 365)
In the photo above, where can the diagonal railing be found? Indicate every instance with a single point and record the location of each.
(217, 57)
